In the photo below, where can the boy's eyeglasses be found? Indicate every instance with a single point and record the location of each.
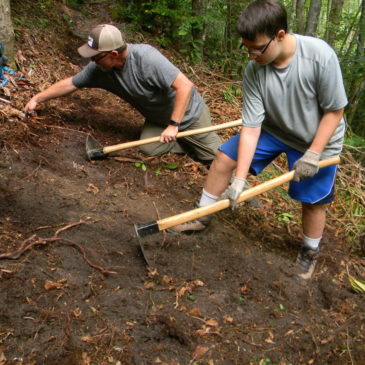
(257, 52)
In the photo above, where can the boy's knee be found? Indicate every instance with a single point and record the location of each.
(223, 162)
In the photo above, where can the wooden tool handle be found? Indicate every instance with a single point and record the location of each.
(246, 194)
(187, 133)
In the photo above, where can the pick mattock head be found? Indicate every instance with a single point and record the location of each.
(145, 229)
(93, 151)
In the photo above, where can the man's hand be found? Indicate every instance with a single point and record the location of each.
(169, 134)
(307, 166)
(234, 191)
(30, 107)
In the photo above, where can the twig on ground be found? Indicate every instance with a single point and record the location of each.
(5, 101)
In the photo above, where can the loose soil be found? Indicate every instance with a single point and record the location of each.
(79, 292)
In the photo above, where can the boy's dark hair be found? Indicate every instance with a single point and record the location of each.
(264, 17)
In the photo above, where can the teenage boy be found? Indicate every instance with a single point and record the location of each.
(293, 103)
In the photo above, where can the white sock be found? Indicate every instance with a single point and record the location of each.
(207, 198)
(312, 243)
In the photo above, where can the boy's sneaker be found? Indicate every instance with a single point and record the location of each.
(197, 225)
(306, 261)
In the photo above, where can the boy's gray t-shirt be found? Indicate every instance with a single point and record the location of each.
(144, 82)
(290, 102)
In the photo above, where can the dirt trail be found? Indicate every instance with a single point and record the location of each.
(82, 293)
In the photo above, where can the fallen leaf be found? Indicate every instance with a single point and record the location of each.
(228, 319)
(92, 189)
(77, 312)
(181, 292)
(357, 284)
(2, 358)
(94, 310)
(125, 159)
(51, 285)
(201, 332)
(149, 284)
(85, 359)
(87, 339)
(217, 111)
(199, 352)
(198, 283)
(195, 312)
(166, 280)
(326, 340)
(211, 323)
(244, 289)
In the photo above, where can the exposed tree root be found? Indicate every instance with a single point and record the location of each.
(34, 240)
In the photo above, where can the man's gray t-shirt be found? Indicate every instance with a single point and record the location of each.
(290, 102)
(144, 82)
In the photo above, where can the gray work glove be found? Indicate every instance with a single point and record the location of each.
(234, 191)
(307, 166)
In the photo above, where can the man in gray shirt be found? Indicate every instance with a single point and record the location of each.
(294, 100)
(143, 77)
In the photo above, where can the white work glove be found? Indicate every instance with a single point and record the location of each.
(234, 191)
(307, 166)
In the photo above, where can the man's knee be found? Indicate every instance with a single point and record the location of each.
(157, 148)
(152, 149)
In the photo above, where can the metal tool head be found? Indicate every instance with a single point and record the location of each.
(146, 229)
(93, 149)
(141, 246)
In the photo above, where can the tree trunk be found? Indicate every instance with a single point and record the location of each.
(7, 32)
(332, 23)
(228, 30)
(198, 32)
(313, 17)
(300, 14)
(292, 15)
(361, 44)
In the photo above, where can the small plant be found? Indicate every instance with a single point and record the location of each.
(171, 166)
(141, 165)
(285, 218)
(190, 297)
(232, 93)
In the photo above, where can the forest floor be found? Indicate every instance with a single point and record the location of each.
(77, 290)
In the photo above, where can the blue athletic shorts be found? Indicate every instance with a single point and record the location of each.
(318, 189)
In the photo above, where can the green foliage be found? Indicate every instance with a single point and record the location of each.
(232, 93)
(356, 144)
(285, 218)
(171, 166)
(76, 4)
(141, 165)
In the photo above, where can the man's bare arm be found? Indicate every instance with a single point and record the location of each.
(61, 88)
